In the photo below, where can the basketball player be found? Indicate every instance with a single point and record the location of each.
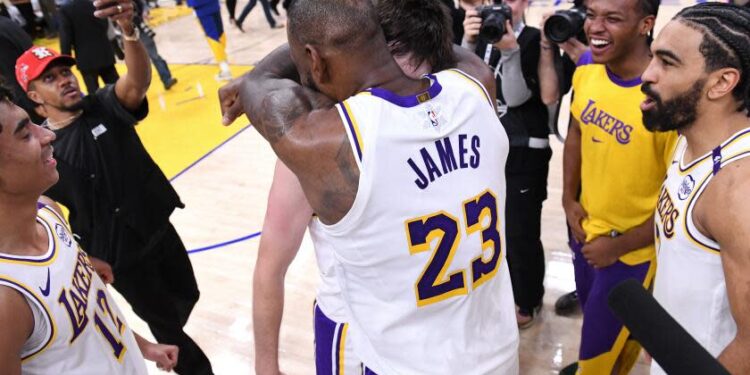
(419, 35)
(369, 169)
(56, 315)
(699, 84)
(618, 166)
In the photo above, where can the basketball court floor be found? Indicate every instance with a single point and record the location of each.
(223, 175)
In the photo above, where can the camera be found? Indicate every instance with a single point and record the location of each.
(565, 24)
(494, 18)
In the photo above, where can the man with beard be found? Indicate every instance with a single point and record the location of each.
(419, 36)
(119, 199)
(617, 165)
(699, 84)
(392, 218)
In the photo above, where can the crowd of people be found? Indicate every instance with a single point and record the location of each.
(414, 147)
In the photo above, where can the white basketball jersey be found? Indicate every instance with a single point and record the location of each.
(328, 298)
(690, 280)
(420, 256)
(78, 329)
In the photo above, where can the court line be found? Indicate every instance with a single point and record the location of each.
(193, 164)
(223, 244)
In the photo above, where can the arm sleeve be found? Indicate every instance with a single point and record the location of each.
(107, 98)
(66, 33)
(514, 88)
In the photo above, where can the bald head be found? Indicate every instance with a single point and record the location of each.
(340, 24)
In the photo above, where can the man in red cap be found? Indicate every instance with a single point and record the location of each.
(119, 199)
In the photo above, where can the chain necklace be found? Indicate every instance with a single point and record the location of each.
(63, 123)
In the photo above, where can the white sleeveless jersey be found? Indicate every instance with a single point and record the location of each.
(690, 280)
(420, 256)
(328, 298)
(78, 329)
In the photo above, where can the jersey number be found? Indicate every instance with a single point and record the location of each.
(118, 348)
(434, 285)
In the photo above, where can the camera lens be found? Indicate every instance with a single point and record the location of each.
(564, 24)
(493, 28)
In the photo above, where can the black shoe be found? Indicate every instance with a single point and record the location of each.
(172, 81)
(567, 304)
(570, 369)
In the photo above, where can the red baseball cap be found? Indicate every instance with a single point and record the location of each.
(34, 61)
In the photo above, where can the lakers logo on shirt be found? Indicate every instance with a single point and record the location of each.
(592, 115)
(667, 212)
(686, 187)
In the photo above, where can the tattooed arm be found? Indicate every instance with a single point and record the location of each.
(305, 131)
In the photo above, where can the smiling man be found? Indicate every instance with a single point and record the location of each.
(119, 200)
(699, 84)
(613, 167)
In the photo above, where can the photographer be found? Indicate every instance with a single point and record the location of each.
(514, 58)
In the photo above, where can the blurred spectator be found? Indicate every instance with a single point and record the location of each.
(87, 35)
(147, 38)
(13, 43)
(266, 10)
(209, 16)
(515, 61)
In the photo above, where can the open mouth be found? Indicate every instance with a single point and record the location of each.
(599, 45)
(48, 158)
(648, 104)
(69, 92)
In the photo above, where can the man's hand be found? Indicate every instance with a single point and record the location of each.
(121, 11)
(229, 100)
(508, 41)
(103, 269)
(574, 48)
(472, 24)
(601, 252)
(165, 356)
(575, 214)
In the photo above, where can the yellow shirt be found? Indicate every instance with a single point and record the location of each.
(622, 163)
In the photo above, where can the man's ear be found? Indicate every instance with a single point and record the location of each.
(318, 65)
(647, 24)
(35, 97)
(722, 82)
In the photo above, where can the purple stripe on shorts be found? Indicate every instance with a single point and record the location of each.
(325, 329)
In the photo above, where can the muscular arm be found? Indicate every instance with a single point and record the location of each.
(306, 133)
(16, 325)
(724, 214)
(284, 227)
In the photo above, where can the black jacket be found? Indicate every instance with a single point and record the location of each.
(86, 34)
(119, 199)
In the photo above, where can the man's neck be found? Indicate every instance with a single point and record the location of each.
(19, 232)
(633, 64)
(384, 73)
(711, 130)
(61, 118)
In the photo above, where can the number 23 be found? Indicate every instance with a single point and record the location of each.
(433, 285)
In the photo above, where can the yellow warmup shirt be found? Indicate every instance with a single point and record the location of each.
(622, 163)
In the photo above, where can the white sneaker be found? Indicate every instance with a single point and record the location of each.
(224, 75)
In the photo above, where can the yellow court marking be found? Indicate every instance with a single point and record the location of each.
(184, 123)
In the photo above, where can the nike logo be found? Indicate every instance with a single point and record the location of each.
(595, 140)
(45, 291)
(524, 191)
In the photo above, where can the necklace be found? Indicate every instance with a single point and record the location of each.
(63, 123)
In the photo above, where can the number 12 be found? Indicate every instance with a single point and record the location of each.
(433, 285)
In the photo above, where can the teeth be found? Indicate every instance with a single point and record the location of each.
(599, 42)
